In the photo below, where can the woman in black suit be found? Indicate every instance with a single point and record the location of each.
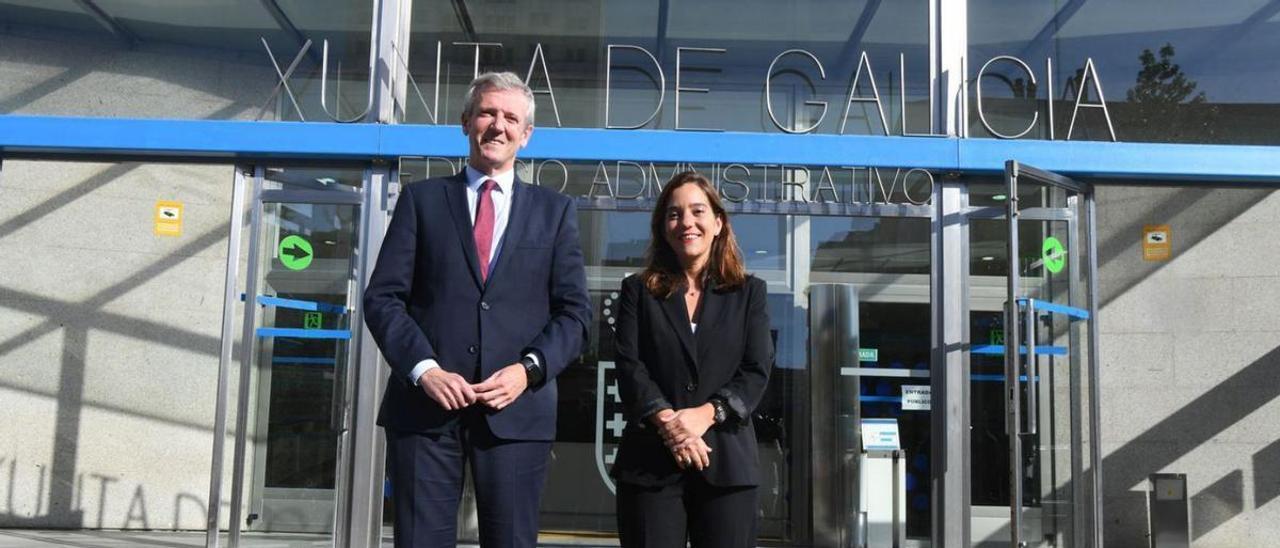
(693, 358)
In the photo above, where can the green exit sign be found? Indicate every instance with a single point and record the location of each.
(868, 355)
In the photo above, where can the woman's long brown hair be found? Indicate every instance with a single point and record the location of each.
(663, 273)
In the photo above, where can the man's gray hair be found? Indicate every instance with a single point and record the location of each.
(497, 81)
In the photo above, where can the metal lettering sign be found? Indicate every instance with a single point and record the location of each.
(758, 184)
(863, 88)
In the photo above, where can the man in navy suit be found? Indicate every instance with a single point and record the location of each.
(478, 301)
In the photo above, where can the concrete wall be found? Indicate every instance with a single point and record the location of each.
(1191, 360)
(110, 343)
(48, 71)
(109, 334)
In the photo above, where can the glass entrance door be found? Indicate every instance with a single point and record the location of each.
(301, 294)
(1033, 363)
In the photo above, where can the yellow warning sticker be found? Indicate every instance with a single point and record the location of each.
(1156, 243)
(168, 218)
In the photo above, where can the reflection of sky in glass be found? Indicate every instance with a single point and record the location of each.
(1227, 50)
(761, 239)
(830, 231)
(869, 244)
(627, 236)
(792, 325)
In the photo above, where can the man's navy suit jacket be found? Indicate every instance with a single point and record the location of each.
(425, 299)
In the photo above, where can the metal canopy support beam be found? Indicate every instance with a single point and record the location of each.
(949, 288)
(464, 19)
(860, 28)
(949, 421)
(664, 22)
(120, 30)
(286, 24)
(852, 52)
(392, 69)
(1050, 29)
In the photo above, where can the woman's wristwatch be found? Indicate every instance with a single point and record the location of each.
(720, 411)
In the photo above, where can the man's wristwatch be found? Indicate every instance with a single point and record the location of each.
(532, 373)
(720, 411)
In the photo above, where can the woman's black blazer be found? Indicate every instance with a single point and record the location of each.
(661, 363)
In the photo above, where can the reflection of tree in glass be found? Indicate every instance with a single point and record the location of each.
(1162, 81)
(1163, 104)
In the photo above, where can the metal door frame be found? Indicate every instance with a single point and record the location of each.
(1093, 525)
(357, 513)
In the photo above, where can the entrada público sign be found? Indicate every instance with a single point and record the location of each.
(1054, 255)
(295, 252)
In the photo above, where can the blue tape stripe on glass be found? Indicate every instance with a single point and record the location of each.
(998, 350)
(1046, 306)
(995, 378)
(300, 305)
(304, 333)
(304, 361)
(885, 399)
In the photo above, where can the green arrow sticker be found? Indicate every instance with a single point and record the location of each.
(1054, 255)
(295, 252)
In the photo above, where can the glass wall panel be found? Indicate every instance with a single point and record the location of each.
(203, 59)
(893, 287)
(1171, 72)
(720, 55)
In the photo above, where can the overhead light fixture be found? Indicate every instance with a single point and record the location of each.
(999, 197)
(988, 258)
(762, 252)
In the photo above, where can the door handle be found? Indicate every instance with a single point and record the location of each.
(1032, 368)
